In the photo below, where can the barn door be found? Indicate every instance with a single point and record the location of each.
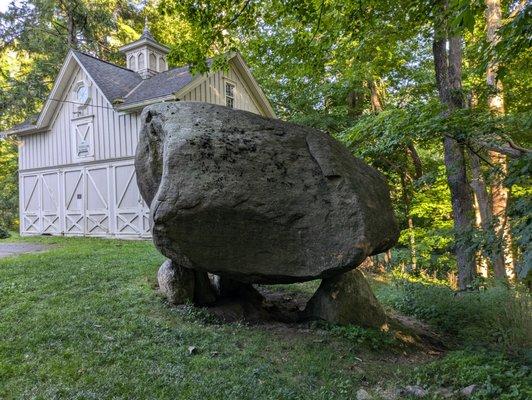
(145, 217)
(74, 203)
(130, 211)
(30, 204)
(51, 222)
(97, 201)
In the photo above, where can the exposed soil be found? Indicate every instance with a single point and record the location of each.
(283, 311)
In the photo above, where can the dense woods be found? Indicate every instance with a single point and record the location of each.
(436, 95)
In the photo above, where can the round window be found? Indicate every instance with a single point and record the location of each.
(82, 94)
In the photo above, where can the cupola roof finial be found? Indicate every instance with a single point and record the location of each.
(146, 32)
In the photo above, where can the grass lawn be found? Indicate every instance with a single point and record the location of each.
(83, 321)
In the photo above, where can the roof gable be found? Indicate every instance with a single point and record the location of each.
(127, 90)
(114, 81)
(174, 83)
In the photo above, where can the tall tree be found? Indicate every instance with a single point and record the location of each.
(447, 51)
(499, 192)
(493, 249)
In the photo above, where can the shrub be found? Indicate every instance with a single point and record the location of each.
(8, 183)
(4, 234)
(496, 315)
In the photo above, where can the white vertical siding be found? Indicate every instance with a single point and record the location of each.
(100, 199)
(212, 90)
(114, 135)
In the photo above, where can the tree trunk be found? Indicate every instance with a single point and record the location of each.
(376, 103)
(482, 262)
(72, 37)
(354, 102)
(407, 200)
(499, 193)
(495, 251)
(449, 82)
(412, 240)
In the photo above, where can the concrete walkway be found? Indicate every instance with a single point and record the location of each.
(12, 249)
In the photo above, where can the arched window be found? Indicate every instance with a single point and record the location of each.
(162, 64)
(131, 64)
(153, 62)
(140, 59)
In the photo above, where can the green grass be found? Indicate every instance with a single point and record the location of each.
(496, 376)
(83, 321)
(489, 331)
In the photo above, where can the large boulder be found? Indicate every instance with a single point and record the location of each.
(257, 200)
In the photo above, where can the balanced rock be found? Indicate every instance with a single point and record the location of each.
(257, 200)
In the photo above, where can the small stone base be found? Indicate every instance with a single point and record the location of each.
(182, 285)
(346, 299)
(176, 283)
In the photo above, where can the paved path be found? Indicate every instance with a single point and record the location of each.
(11, 249)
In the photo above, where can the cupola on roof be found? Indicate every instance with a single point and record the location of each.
(145, 55)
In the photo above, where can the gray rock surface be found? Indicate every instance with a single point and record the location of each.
(347, 299)
(362, 394)
(255, 199)
(182, 285)
(415, 391)
(176, 283)
(468, 391)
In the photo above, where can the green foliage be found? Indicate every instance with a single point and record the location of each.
(496, 376)
(8, 184)
(4, 234)
(495, 316)
(520, 211)
(433, 225)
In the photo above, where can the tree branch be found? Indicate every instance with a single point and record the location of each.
(518, 9)
(416, 160)
(512, 150)
(233, 20)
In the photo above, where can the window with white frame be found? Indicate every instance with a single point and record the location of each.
(229, 94)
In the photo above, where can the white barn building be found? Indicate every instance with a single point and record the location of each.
(76, 171)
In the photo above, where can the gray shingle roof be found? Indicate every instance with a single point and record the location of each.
(163, 84)
(114, 81)
(27, 123)
(121, 83)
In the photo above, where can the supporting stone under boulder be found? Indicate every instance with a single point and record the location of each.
(182, 285)
(347, 299)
